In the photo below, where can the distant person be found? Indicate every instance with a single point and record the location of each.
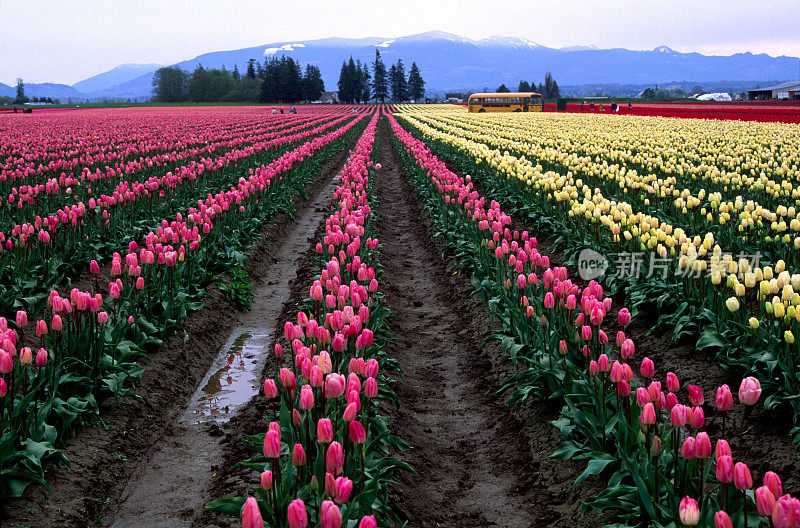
(281, 110)
(581, 106)
(591, 106)
(602, 108)
(292, 110)
(274, 111)
(630, 106)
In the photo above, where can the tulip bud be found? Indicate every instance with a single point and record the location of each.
(344, 486)
(765, 501)
(330, 516)
(22, 319)
(324, 431)
(41, 358)
(741, 476)
(334, 457)
(648, 416)
(773, 482)
(357, 433)
(722, 449)
(368, 522)
(722, 520)
(251, 516)
(272, 445)
(689, 512)
(306, 397)
(702, 445)
(266, 480)
(695, 395)
(296, 514)
(647, 368)
(270, 389)
(655, 446)
(724, 398)
(330, 485)
(749, 391)
(688, 450)
(724, 469)
(672, 382)
(298, 455)
(624, 317)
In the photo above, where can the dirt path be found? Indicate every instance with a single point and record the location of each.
(474, 465)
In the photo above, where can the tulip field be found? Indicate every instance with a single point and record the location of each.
(577, 242)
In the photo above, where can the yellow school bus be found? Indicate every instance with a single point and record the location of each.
(505, 102)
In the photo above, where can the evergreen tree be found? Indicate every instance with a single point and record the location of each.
(503, 89)
(269, 76)
(21, 97)
(358, 80)
(416, 86)
(524, 86)
(235, 73)
(313, 85)
(251, 69)
(198, 84)
(344, 84)
(170, 84)
(365, 84)
(380, 87)
(398, 83)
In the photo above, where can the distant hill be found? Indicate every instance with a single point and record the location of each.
(117, 76)
(59, 91)
(453, 63)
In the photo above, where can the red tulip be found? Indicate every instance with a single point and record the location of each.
(368, 522)
(695, 395)
(298, 455)
(272, 444)
(624, 317)
(344, 486)
(334, 457)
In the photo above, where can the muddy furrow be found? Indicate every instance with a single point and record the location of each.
(472, 460)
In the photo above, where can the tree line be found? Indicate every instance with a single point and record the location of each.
(277, 80)
(549, 89)
(356, 84)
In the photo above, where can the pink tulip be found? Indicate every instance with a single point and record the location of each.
(266, 480)
(724, 469)
(324, 431)
(648, 416)
(623, 388)
(357, 433)
(594, 369)
(642, 397)
(616, 372)
(306, 397)
(287, 379)
(749, 391)
(647, 368)
(603, 363)
(655, 447)
(25, 356)
(722, 520)
(724, 398)
(41, 328)
(773, 482)
(698, 417)
(765, 501)
(689, 512)
(672, 382)
(344, 486)
(56, 324)
(6, 362)
(270, 389)
(330, 516)
(3, 388)
(251, 516)
(678, 416)
(624, 317)
(331, 487)
(702, 446)
(368, 522)
(722, 448)
(689, 448)
(628, 349)
(22, 319)
(298, 455)
(783, 514)
(741, 476)
(272, 445)
(41, 358)
(334, 457)
(695, 395)
(296, 514)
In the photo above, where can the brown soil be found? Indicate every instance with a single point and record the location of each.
(477, 461)
(107, 457)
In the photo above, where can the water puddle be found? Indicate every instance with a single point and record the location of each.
(233, 378)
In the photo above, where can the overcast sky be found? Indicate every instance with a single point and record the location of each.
(68, 40)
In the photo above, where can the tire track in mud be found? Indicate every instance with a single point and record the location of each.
(473, 460)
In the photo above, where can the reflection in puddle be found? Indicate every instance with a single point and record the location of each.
(232, 379)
